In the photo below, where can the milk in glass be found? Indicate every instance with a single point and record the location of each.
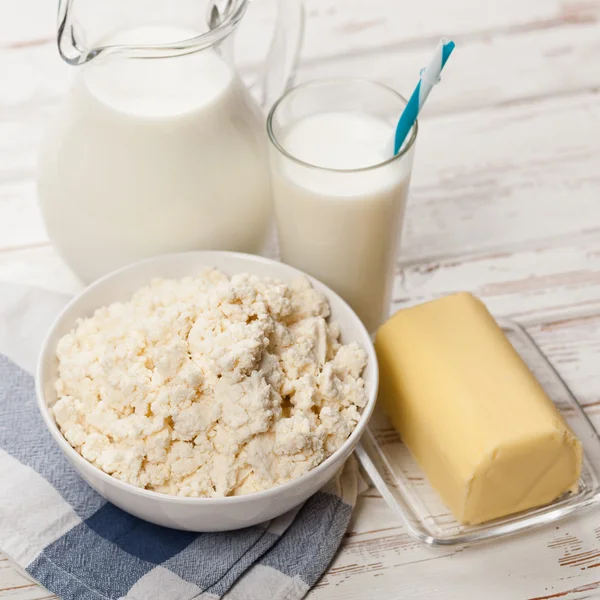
(339, 199)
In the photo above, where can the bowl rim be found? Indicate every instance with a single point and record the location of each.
(82, 464)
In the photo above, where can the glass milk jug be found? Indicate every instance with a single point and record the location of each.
(159, 146)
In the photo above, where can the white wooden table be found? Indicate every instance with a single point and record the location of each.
(505, 203)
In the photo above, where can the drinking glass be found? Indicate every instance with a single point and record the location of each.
(341, 225)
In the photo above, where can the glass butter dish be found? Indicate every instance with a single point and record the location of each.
(403, 485)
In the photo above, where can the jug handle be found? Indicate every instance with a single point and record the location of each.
(282, 59)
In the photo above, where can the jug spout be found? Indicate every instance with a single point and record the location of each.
(84, 24)
(70, 44)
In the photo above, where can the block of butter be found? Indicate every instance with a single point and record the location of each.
(479, 424)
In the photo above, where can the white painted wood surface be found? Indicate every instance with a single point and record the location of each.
(505, 203)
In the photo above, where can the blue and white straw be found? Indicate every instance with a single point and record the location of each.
(430, 76)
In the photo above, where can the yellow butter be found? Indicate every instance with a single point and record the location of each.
(488, 438)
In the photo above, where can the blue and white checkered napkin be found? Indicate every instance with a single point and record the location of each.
(83, 548)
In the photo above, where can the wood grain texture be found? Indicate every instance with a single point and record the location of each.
(487, 195)
(17, 585)
(548, 276)
(353, 26)
(504, 203)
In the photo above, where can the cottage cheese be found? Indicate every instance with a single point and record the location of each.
(209, 386)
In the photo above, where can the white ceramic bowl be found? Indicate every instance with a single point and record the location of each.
(198, 514)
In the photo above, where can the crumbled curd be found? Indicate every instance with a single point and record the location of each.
(209, 385)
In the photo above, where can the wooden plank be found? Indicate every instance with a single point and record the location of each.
(20, 133)
(30, 592)
(453, 191)
(466, 196)
(551, 61)
(573, 346)
(38, 266)
(20, 220)
(499, 177)
(16, 584)
(29, 22)
(551, 277)
(391, 568)
(541, 280)
(334, 27)
(478, 197)
(552, 36)
(482, 72)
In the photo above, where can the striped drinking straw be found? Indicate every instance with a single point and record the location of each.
(430, 76)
